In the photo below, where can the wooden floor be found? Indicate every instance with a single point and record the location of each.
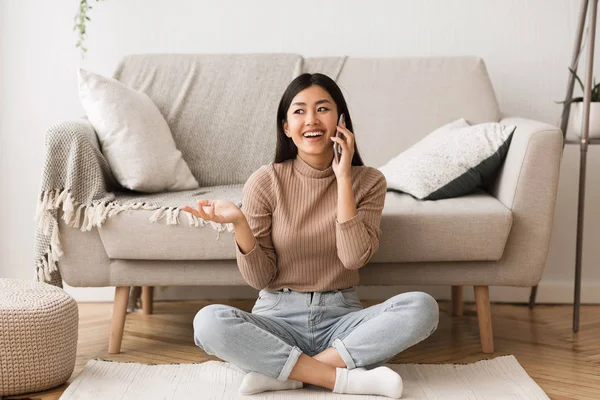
(564, 364)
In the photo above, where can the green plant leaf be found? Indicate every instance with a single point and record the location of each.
(573, 100)
(576, 77)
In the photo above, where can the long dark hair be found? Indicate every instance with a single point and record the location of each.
(286, 149)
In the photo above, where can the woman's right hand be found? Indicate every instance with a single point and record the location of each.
(219, 211)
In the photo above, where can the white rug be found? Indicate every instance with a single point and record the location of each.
(500, 378)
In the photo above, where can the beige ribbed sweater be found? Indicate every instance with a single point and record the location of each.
(291, 208)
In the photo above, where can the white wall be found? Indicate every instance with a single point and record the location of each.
(3, 164)
(527, 47)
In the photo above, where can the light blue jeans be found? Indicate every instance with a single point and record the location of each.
(284, 324)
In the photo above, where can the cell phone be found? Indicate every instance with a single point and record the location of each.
(337, 149)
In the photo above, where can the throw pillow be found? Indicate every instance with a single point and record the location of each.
(134, 136)
(451, 161)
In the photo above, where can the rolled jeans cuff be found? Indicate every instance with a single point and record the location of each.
(344, 354)
(289, 364)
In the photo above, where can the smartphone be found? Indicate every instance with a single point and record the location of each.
(337, 149)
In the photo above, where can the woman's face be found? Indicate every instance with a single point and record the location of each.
(312, 111)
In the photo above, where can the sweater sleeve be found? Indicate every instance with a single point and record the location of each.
(258, 266)
(357, 239)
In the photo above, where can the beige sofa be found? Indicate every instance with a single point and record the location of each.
(500, 237)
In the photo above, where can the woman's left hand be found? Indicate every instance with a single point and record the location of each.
(346, 141)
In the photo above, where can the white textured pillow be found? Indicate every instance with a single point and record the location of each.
(134, 136)
(451, 161)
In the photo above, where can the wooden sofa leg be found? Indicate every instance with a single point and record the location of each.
(118, 319)
(147, 294)
(532, 297)
(484, 317)
(457, 301)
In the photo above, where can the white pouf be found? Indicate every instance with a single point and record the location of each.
(38, 336)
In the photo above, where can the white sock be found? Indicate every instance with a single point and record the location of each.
(381, 381)
(255, 382)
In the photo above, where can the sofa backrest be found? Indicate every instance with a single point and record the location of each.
(393, 103)
(220, 108)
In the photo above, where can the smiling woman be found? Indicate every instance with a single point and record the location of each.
(310, 106)
(310, 121)
(309, 221)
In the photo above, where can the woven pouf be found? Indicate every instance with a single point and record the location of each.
(38, 336)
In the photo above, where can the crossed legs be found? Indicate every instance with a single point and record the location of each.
(318, 370)
(341, 367)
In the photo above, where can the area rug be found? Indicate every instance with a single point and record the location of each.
(499, 378)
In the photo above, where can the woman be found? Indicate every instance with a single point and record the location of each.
(307, 224)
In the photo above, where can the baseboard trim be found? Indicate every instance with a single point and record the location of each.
(549, 292)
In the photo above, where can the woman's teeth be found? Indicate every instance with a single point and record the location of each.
(314, 136)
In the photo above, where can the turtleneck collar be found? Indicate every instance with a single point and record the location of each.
(303, 168)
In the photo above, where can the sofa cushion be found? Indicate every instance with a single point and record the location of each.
(397, 101)
(467, 228)
(451, 161)
(134, 136)
(472, 227)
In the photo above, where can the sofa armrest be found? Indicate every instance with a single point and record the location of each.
(73, 158)
(527, 184)
(529, 175)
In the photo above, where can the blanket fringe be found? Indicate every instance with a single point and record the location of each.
(158, 215)
(60, 198)
(96, 213)
(86, 217)
(41, 206)
(46, 268)
(76, 222)
(68, 208)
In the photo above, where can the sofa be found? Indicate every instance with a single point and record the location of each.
(494, 237)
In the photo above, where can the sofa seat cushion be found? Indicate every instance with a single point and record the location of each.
(472, 227)
(132, 235)
(466, 228)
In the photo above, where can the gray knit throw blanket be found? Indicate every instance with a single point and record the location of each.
(77, 179)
